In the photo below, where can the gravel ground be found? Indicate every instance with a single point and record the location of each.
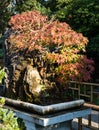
(95, 121)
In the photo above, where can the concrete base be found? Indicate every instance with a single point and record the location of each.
(52, 117)
(58, 121)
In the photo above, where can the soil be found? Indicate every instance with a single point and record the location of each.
(53, 96)
(49, 101)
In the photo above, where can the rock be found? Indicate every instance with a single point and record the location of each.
(32, 82)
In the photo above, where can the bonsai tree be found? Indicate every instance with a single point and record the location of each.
(42, 56)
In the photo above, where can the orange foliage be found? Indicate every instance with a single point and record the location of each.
(33, 31)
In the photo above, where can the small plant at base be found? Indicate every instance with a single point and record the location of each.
(2, 101)
(2, 74)
(8, 120)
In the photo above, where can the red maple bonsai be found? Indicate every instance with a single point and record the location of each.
(63, 49)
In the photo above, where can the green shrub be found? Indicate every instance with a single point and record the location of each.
(2, 74)
(81, 15)
(2, 101)
(8, 120)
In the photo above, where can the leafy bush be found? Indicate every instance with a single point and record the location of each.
(2, 101)
(64, 48)
(8, 120)
(2, 74)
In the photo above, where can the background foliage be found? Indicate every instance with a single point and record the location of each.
(82, 15)
(27, 5)
(5, 14)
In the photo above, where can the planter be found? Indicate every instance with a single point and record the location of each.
(43, 110)
(51, 117)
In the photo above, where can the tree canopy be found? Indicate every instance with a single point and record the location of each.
(64, 46)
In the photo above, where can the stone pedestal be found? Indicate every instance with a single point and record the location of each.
(58, 121)
(51, 117)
